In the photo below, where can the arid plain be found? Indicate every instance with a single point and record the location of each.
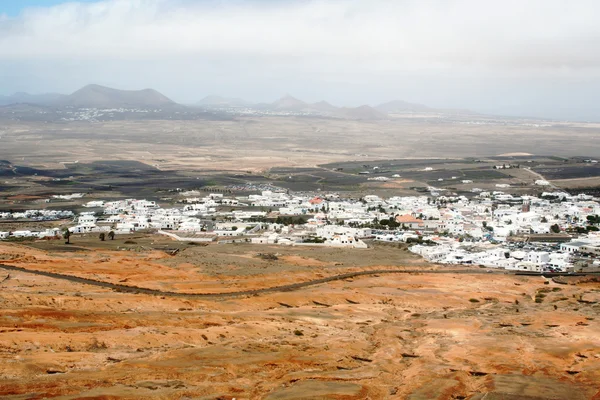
(423, 333)
(259, 143)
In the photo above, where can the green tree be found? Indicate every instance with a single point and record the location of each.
(67, 235)
(111, 235)
(555, 228)
(102, 236)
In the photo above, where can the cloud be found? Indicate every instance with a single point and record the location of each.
(380, 35)
(476, 54)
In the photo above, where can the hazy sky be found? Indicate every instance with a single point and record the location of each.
(538, 57)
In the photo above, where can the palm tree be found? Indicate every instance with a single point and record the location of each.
(67, 235)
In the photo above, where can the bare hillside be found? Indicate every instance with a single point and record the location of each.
(105, 97)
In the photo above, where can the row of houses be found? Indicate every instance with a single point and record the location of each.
(37, 215)
(495, 256)
(47, 233)
(272, 217)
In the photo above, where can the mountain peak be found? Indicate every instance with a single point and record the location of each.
(94, 95)
(289, 102)
(324, 106)
(364, 112)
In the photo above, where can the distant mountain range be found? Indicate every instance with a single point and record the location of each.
(96, 96)
(291, 104)
(364, 112)
(26, 98)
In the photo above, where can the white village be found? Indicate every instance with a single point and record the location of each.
(553, 232)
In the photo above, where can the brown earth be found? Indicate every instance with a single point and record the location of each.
(417, 335)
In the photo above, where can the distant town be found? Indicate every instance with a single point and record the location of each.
(554, 232)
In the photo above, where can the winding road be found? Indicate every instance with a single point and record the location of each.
(541, 177)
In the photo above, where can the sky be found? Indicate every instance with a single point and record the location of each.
(13, 8)
(514, 57)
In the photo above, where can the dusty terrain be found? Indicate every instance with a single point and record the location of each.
(417, 335)
(149, 158)
(258, 143)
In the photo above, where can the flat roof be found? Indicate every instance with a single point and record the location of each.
(577, 243)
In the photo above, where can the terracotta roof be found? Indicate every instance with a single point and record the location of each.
(407, 219)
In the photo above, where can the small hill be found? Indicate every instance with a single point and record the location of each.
(289, 103)
(26, 98)
(364, 112)
(324, 106)
(104, 97)
(399, 106)
(218, 101)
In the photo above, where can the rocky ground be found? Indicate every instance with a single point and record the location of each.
(417, 335)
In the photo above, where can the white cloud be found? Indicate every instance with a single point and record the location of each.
(379, 35)
(479, 54)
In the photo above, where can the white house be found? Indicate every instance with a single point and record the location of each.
(526, 266)
(345, 241)
(572, 247)
(538, 257)
(87, 219)
(329, 231)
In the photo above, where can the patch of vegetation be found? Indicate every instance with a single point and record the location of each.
(290, 220)
(539, 296)
(268, 256)
(97, 345)
(315, 239)
(474, 300)
(13, 239)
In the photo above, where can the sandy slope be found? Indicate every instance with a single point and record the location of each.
(416, 336)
